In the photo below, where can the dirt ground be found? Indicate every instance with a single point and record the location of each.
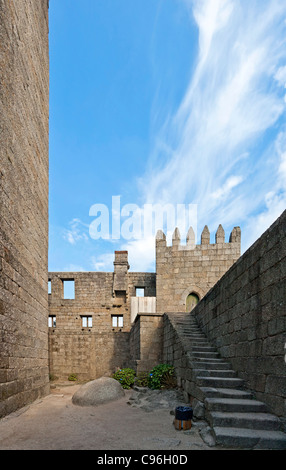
(55, 423)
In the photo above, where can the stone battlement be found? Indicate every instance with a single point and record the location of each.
(234, 238)
(191, 269)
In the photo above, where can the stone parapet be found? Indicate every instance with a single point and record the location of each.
(183, 269)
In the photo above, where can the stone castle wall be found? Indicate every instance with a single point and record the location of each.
(146, 341)
(24, 134)
(244, 315)
(99, 348)
(101, 296)
(191, 269)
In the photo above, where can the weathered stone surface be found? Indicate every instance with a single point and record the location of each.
(244, 316)
(191, 269)
(101, 348)
(98, 392)
(151, 400)
(24, 183)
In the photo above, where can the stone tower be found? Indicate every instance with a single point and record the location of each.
(185, 273)
(24, 133)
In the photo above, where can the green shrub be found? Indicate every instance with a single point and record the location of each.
(72, 377)
(142, 379)
(125, 377)
(161, 376)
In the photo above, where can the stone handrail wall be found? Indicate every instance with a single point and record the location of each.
(244, 316)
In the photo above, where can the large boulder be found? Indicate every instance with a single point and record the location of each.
(97, 392)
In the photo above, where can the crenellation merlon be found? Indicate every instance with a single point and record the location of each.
(205, 237)
(234, 239)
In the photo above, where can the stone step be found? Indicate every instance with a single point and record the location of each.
(215, 373)
(250, 420)
(249, 438)
(213, 360)
(202, 348)
(186, 329)
(235, 405)
(226, 393)
(220, 382)
(190, 332)
(196, 338)
(214, 365)
(205, 354)
(236, 418)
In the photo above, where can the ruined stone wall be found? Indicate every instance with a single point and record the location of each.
(142, 280)
(185, 269)
(97, 350)
(244, 315)
(24, 134)
(90, 351)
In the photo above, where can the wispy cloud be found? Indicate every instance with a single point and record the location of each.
(103, 262)
(77, 232)
(275, 198)
(225, 146)
(212, 150)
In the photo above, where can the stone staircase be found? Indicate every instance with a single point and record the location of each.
(236, 418)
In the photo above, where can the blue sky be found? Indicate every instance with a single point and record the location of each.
(164, 102)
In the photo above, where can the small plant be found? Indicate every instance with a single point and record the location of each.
(53, 377)
(72, 377)
(169, 380)
(161, 376)
(142, 379)
(125, 377)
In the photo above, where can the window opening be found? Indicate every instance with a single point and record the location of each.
(49, 286)
(140, 291)
(117, 321)
(86, 321)
(69, 290)
(52, 321)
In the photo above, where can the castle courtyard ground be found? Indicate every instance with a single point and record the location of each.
(55, 423)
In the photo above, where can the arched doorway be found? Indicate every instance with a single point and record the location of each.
(191, 301)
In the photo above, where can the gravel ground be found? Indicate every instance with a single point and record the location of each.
(141, 420)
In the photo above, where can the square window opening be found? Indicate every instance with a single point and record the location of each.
(69, 289)
(140, 291)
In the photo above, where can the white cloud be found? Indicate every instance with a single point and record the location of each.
(103, 262)
(274, 200)
(280, 76)
(213, 151)
(141, 253)
(77, 232)
(233, 97)
(226, 188)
